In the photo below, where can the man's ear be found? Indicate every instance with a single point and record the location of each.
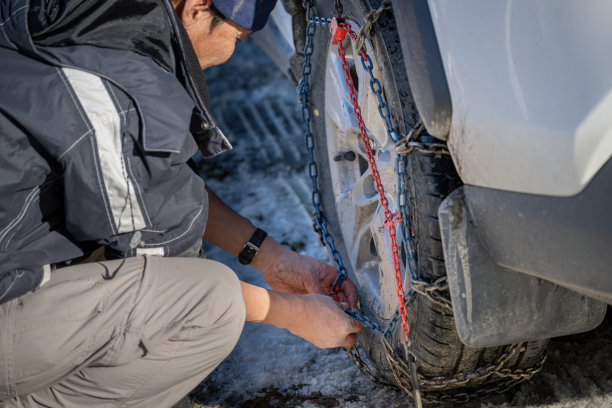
(193, 11)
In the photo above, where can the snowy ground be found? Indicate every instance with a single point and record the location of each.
(264, 178)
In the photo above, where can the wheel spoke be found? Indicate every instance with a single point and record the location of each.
(354, 143)
(364, 192)
(338, 106)
(357, 205)
(382, 243)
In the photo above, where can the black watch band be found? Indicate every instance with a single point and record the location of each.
(251, 248)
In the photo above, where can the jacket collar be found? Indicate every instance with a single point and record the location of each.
(207, 134)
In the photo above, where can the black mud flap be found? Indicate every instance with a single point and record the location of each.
(493, 305)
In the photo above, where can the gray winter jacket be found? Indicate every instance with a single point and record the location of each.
(100, 103)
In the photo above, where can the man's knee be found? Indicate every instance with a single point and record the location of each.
(233, 311)
(225, 293)
(214, 298)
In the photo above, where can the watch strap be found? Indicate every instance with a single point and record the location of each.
(251, 248)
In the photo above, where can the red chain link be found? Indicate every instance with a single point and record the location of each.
(339, 31)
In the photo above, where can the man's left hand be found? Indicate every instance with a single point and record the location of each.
(289, 272)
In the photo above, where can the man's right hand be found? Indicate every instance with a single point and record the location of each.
(316, 318)
(323, 322)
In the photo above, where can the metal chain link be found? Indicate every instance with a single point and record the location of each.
(365, 369)
(437, 292)
(390, 219)
(325, 22)
(376, 87)
(319, 219)
(339, 8)
(370, 19)
(425, 148)
(409, 143)
(365, 322)
(437, 387)
(319, 222)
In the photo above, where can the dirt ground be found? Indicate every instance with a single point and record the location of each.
(264, 178)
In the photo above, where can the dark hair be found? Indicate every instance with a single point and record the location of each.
(217, 17)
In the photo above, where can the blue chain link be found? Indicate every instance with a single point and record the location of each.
(376, 87)
(303, 92)
(325, 22)
(365, 322)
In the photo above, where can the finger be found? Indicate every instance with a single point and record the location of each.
(350, 293)
(313, 286)
(350, 340)
(344, 306)
(356, 326)
(327, 275)
(318, 289)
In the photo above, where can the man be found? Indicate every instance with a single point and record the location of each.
(100, 104)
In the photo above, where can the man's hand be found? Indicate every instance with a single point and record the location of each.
(324, 323)
(285, 270)
(316, 318)
(289, 272)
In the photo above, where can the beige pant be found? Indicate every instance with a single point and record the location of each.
(144, 338)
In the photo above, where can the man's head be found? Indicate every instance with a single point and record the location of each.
(215, 25)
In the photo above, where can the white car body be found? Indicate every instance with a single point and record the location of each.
(531, 90)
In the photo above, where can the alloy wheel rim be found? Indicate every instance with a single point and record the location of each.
(359, 211)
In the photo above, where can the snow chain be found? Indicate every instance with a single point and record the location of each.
(404, 370)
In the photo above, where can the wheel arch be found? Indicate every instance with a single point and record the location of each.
(424, 65)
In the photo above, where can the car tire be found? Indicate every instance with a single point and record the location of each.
(429, 178)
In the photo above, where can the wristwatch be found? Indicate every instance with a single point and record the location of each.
(251, 248)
